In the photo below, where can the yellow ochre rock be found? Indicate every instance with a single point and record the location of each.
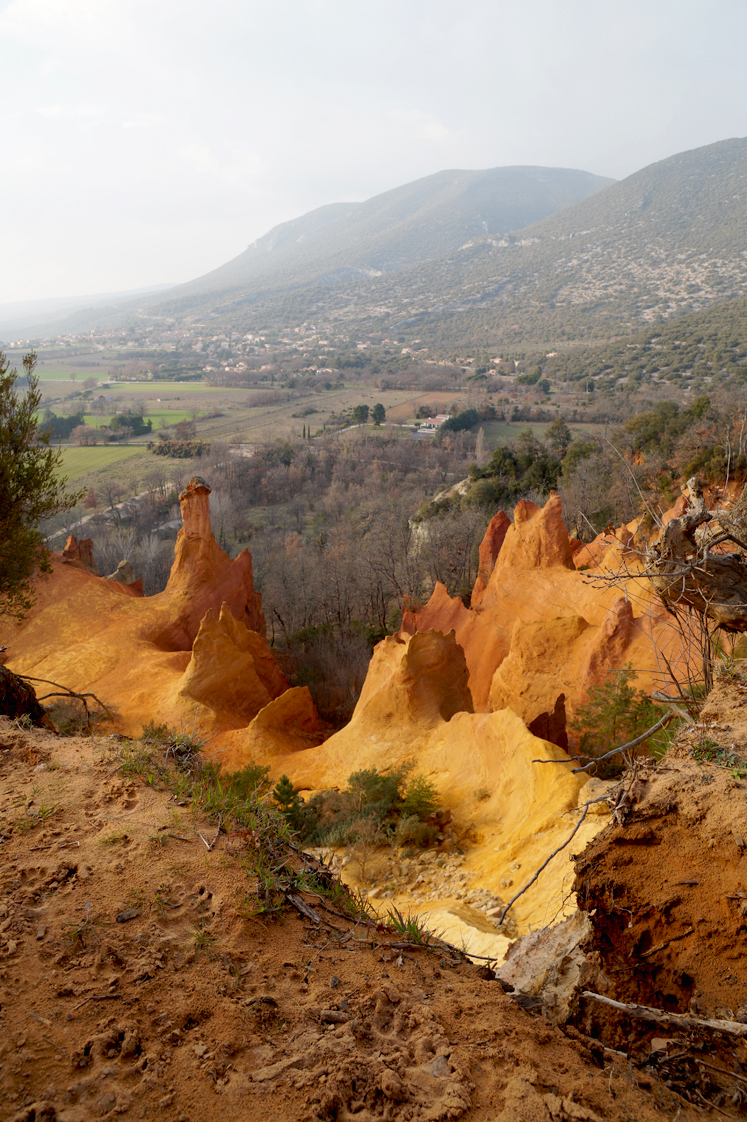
(231, 669)
(287, 724)
(415, 707)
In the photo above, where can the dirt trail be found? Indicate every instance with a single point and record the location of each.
(135, 983)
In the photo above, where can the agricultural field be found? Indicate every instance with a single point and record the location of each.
(166, 403)
(506, 432)
(244, 423)
(49, 375)
(161, 418)
(435, 402)
(81, 465)
(239, 423)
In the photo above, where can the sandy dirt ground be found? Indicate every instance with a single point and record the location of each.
(137, 982)
(665, 887)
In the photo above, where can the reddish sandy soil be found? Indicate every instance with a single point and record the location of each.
(192, 1010)
(666, 890)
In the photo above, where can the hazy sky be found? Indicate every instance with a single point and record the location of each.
(151, 140)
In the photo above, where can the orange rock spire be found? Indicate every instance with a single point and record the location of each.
(194, 651)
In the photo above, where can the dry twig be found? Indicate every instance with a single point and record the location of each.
(544, 864)
(673, 1020)
(615, 751)
(65, 691)
(97, 997)
(212, 843)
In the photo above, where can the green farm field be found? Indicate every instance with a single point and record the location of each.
(506, 432)
(45, 375)
(168, 416)
(80, 463)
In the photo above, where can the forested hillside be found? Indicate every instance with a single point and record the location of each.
(708, 344)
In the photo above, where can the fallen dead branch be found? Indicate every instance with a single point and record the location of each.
(65, 691)
(683, 570)
(544, 864)
(615, 751)
(62, 1050)
(304, 909)
(673, 1020)
(632, 744)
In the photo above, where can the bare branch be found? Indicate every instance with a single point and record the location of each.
(683, 570)
(65, 691)
(544, 864)
(674, 1020)
(631, 744)
(623, 748)
(627, 467)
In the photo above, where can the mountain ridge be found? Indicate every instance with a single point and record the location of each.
(670, 238)
(436, 258)
(391, 230)
(402, 228)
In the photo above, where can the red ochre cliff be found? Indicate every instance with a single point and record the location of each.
(546, 623)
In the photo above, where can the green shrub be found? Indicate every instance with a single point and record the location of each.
(375, 808)
(421, 798)
(251, 780)
(410, 830)
(615, 714)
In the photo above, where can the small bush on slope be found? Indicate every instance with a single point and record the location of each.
(614, 714)
(380, 807)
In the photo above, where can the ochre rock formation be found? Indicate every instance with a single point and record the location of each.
(124, 573)
(136, 653)
(415, 708)
(547, 661)
(286, 725)
(203, 576)
(543, 631)
(633, 538)
(539, 538)
(419, 680)
(231, 669)
(414, 683)
(490, 547)
(683, 892)
(591, 554)
(196, 653)
(80, 553)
